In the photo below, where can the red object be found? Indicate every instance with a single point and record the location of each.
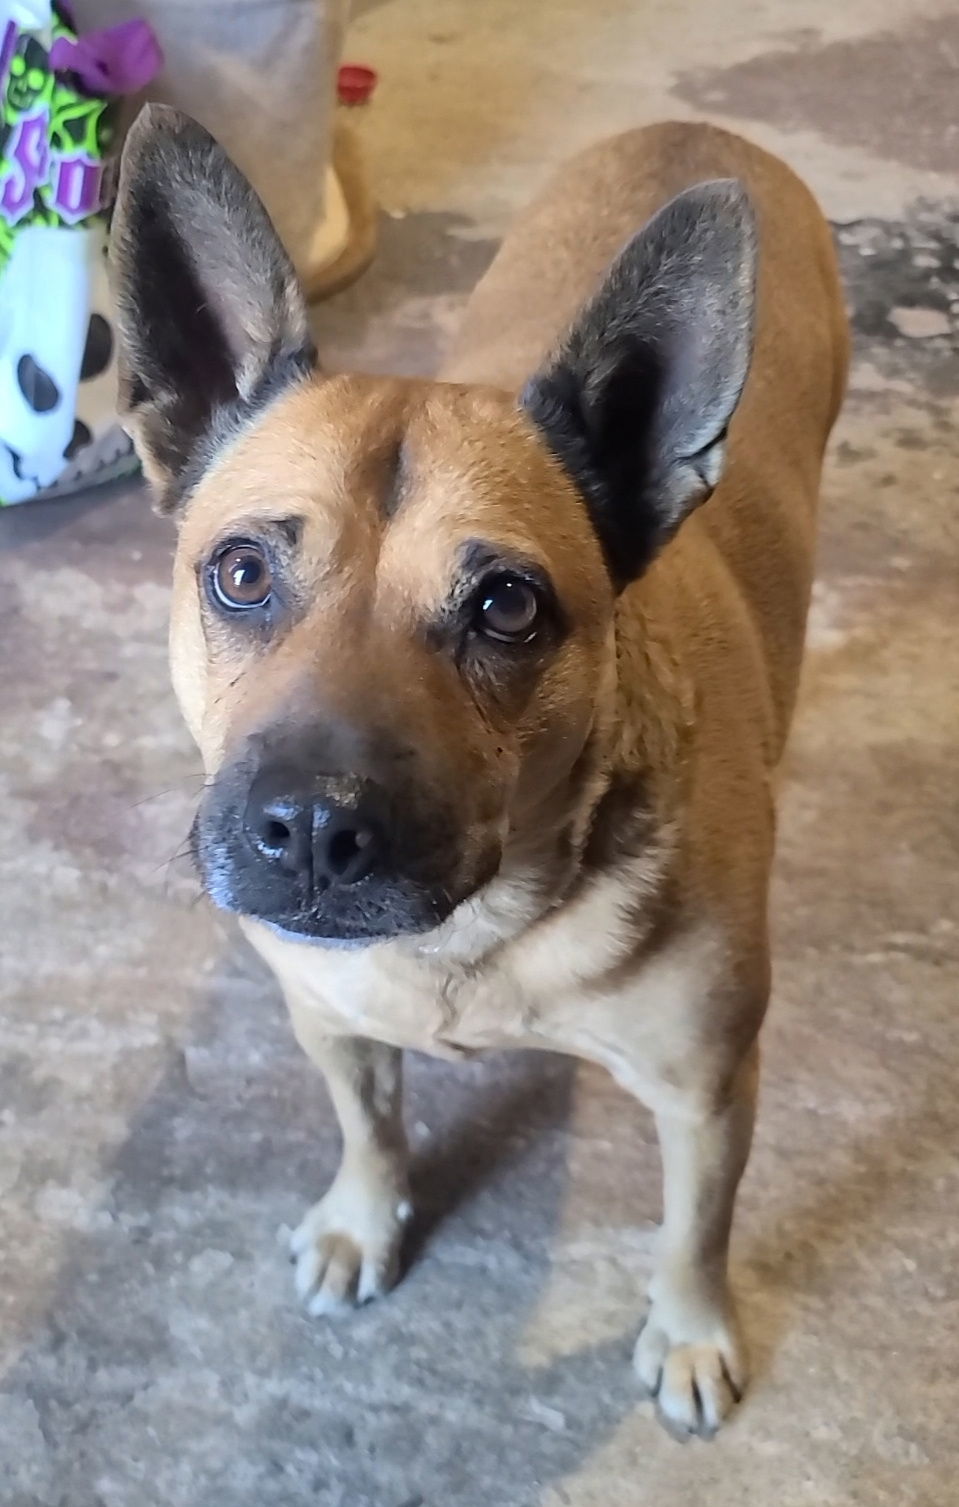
(355, 83)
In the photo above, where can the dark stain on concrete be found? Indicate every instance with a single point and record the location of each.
(336, 1409)
(894, 269)
(429, 253)
(911, 439)
(851, 455)
(892, 94)
(382, 323)
(24, 1092)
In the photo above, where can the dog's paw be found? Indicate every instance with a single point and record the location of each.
(696, 1372)
(346, 1251)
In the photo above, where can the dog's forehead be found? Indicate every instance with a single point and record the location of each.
(395, 471)
(321, 452)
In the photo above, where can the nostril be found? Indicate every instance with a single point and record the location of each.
(279, 830)
(347, 854)
(345, 848)
(276, 834)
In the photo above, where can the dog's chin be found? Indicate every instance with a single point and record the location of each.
(414, 919)
(316, 934)
(312, 939)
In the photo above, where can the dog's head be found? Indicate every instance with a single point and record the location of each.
(393, 604)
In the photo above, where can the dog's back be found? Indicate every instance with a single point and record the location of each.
(761, 518)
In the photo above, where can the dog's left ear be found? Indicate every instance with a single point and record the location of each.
(211, 317)
(636, 401)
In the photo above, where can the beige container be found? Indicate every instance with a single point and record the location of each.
(261, 76)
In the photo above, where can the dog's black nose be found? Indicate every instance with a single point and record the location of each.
(326, 838)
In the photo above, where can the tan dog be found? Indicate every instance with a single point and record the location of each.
(492, 754)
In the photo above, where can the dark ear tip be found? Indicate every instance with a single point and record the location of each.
(158, 134)
(155, 117)
(152, 124)
(738, 199)
(163, 121)
(726, 201)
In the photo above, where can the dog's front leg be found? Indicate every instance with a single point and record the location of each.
(347, 1248)
(690, 1354)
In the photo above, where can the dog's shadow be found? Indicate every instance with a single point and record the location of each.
(490, 1135)
(173, 1342)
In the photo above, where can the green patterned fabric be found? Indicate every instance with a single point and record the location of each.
(53, 140)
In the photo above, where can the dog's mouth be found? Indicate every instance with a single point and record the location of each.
(363, 926)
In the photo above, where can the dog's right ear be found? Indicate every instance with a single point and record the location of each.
(212, 321)
(636, 400)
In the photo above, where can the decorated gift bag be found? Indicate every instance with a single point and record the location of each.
(58, 426)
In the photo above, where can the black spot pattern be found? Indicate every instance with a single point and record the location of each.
(81, 436)
(98, 349)
(37, 386)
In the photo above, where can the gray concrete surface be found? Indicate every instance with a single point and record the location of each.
(157, 1125)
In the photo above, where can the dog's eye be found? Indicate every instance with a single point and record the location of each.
(241, 577)
(508, 608)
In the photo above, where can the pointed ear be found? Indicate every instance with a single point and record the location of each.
(636, 401)
(211, 319)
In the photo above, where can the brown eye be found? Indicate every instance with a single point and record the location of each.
(241, 577)
(508, 609)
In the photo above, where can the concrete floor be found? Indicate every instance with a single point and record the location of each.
(158, 1124)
